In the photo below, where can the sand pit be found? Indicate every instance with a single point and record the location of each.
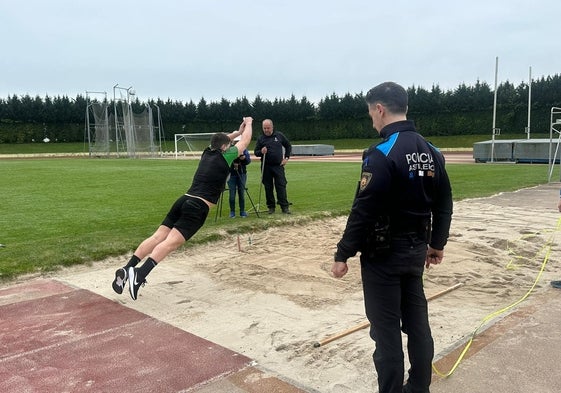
(271, 297)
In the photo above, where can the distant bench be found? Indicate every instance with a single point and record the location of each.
(313, 150)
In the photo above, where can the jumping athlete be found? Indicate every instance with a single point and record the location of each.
(189, 212)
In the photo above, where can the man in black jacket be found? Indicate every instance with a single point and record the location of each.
(274, 149)
(399, 221)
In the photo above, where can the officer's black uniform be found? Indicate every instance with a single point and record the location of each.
(278, 148)
(404, 192)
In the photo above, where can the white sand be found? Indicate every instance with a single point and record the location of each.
(275, 298)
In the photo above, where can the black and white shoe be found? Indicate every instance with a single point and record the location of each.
(120, 280)
(134, 285)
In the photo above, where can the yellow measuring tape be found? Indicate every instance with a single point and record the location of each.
(547, 248)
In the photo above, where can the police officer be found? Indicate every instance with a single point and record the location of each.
(274, 149)
(399, 221)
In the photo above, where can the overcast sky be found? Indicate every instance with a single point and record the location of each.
(186, 50)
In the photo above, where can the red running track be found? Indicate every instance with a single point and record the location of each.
(54, 338)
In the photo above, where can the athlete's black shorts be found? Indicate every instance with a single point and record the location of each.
(187, 215)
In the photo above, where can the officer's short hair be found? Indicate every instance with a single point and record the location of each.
(219, 139)
(389, 94)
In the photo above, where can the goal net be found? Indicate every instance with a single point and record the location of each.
(193, 144)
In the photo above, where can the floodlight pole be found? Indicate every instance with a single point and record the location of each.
(494, 110)
(116, 119)
(160, 127)
(529, 101)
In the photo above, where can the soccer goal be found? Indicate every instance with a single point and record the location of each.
(192, 143)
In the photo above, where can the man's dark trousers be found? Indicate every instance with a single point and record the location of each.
(394, 300)
(274, 178)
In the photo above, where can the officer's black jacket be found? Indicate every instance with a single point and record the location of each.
(403, 178)
(278, 148)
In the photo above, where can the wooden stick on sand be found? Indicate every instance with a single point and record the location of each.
(364, 325)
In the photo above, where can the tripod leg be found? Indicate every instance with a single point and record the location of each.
(261, 182)
(252, 204)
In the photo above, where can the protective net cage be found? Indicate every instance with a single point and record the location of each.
(136, 133)
(192, 144)
(123, 131)
(97, 128)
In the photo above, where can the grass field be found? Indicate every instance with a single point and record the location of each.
(456, 142)
(60, 212)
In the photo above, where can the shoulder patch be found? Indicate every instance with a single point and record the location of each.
(387, 144)
(365, 180)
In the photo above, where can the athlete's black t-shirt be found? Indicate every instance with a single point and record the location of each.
(210, 178)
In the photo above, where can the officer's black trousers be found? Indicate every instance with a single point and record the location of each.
(274, 178)
(395, 301)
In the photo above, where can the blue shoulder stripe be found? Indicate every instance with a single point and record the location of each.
(434, 147)
(386, 146)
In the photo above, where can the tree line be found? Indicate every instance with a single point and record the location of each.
(468, 109)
